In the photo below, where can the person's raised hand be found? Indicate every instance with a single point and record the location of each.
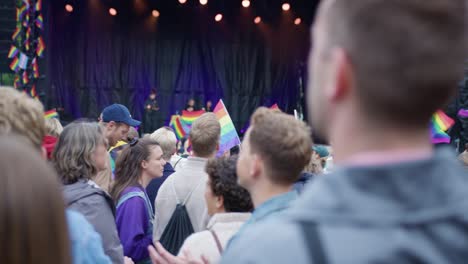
(160, 255)
(128, 260)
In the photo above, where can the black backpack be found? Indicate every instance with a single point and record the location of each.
(179, 226)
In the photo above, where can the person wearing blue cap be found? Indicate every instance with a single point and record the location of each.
(117, 121)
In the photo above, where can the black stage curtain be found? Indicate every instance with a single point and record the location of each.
(96, 60)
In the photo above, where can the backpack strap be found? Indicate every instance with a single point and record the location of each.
(140, 194)
(218, 243)
(177, 162)
(188, 195)
(175, 193)
(313, 242)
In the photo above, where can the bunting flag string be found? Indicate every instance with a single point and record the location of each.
(27, 45)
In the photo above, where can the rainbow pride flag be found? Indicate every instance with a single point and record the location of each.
(177, 126)
(40, 47)
(14, 66)
(13, 52)
(440, 123)
(20, 12)
(38, 5)
(35, 68)
(16, 33)
(40, 21)
(51, 113)
(34, 93)
(229, 136)
(25, 77)
(188, 118)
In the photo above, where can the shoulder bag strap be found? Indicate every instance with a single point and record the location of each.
(218, 243)
(313, 242)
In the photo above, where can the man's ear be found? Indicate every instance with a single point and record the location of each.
(257, 167)
(343, 75)
(111, 125)
(219, 201)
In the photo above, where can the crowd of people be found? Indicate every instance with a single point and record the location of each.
(96, 192)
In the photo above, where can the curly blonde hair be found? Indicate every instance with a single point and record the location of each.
(21, 115)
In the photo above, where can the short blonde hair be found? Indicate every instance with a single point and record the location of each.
(53, 127)
(21, 115)
(166, 138)
(205, 135)
(283, 142)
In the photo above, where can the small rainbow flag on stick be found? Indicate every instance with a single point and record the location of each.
(177, 126)
(229, 136)
(440, 123)
(51, 114)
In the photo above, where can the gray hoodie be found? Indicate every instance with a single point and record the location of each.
(412, 212)
(98, 208)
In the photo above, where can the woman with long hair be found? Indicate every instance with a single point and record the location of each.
(136, 166)
(33, 223)
(80, 153)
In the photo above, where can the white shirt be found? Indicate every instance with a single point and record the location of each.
(203, 243)
(191, 176)
(177, 162)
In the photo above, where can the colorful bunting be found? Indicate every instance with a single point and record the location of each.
(26, 2)
(14, 65)
(39, 22)
(16, 33)
(40, 47)
(33, 92)
(38, 6)
(20, 13)
(13, 52)
(23, 61)
(35, 68)
(25, 77)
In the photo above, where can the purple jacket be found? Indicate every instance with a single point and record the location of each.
(135, 223)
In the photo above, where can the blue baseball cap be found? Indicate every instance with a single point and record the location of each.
(119, 113)
(322, 151)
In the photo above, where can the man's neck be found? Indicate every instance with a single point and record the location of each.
(354, 138)
(263, 192)
(194, 154)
